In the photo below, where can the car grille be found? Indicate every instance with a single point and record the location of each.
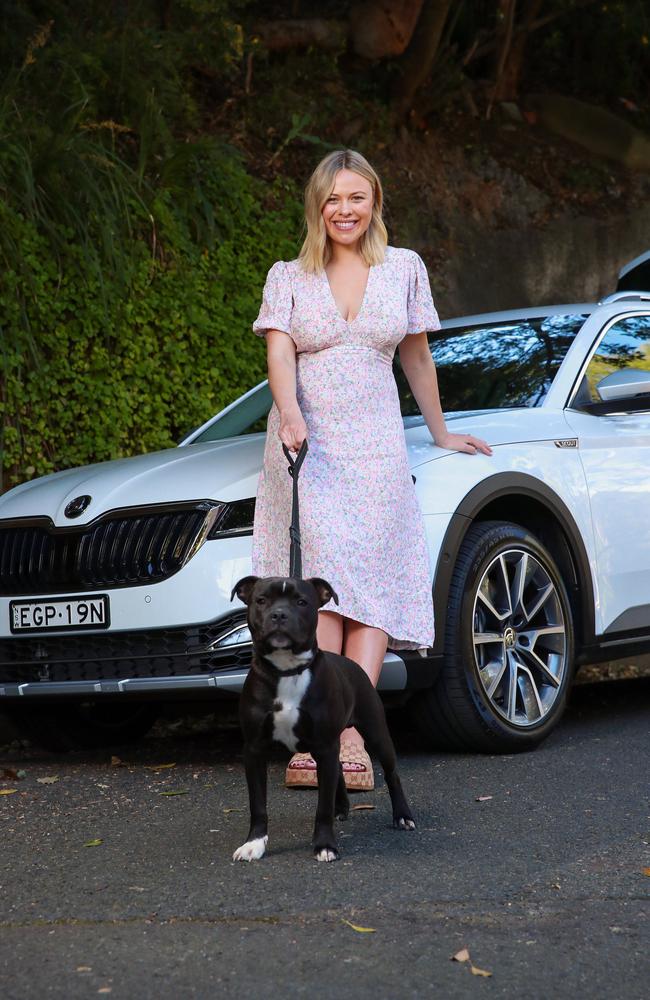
(165, 652)
(115, 551)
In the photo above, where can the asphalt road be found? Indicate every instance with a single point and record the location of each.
(543, 883)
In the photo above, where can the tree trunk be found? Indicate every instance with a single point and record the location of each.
(421, 54)
(510, 57)
(381, 28)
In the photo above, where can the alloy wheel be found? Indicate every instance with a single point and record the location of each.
(519, 637)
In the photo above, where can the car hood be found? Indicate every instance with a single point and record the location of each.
(216, 470)
(229, 469)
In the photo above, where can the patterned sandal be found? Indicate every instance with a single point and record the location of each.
(301, 772)
(357, 767)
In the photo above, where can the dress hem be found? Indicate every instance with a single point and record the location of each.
(393, 642)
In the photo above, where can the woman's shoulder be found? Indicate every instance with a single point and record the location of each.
(285, 268)
(402, 257)
(400, 253)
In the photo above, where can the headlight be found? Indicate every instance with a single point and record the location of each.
(239, 636)
(235, 519)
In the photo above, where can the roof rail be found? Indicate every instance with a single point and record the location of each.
(616, 296)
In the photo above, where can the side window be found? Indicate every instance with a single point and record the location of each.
(625, 345)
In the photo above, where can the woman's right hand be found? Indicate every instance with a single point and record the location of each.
(293, 429)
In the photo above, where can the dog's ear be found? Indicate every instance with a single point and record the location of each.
(244, 588)
(324, 590)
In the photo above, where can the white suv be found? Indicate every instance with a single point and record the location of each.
(115, 578)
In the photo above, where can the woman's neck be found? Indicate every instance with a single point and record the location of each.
(344, 254)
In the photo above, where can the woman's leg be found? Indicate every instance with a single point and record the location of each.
(367, 647)
(329, 631)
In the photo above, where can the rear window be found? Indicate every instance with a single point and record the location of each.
(495, 366)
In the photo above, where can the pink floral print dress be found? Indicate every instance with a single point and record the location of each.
(360, 522)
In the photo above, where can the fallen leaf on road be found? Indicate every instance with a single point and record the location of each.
(646, 871)
(11, 774)
(360, 930)
(461, 956)
(8, 791)
(479, 972)
(183, 791)
(233, 810)
(117, 762)
(362, 805)
(49, 780)
(84, 968)
(94, 843)
(158, 767)
(482, 798)
(105, 989)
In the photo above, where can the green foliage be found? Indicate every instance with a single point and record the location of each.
(133, 252)
(177, 346)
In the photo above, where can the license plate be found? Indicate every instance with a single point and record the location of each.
(60, 614)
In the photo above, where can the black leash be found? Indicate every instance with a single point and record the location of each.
(295, 558)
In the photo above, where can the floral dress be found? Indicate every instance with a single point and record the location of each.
(360, 522)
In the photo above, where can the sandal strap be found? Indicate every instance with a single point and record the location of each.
(354, 753)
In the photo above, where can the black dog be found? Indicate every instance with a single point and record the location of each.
(303, 697)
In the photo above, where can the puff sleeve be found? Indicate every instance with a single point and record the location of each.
(421, 311)
(277, 301)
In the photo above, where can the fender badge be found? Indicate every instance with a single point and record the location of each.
(77, 506)
(566, 443)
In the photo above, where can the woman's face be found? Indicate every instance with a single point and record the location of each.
(348, 210)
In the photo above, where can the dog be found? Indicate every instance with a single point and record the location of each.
(304, 697)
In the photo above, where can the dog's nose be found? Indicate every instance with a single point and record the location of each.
(278, 616)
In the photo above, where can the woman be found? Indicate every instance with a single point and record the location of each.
(332, 320)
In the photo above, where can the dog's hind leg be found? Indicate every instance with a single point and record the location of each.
(342, 802)
(255, 846)
(372, 725)
(329, 767)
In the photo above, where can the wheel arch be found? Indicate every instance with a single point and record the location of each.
(526, 501)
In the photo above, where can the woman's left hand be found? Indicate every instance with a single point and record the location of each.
(464, 442)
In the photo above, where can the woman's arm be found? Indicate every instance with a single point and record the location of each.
(420, 371)
(281, 361)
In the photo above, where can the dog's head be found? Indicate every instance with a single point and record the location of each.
(283, 611)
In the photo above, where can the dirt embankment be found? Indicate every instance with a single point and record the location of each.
(508, 214)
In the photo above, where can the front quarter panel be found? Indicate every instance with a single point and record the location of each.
(461, 485)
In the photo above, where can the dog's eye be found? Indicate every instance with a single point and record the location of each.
(301, 601)
(260, 600)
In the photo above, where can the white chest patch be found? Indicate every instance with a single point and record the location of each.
(284, 659)
(291, 691)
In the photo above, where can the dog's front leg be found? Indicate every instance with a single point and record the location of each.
(255, 762)
(324, 841)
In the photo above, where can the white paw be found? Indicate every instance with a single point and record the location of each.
(326, 854)
(405, 824)
(252, 850)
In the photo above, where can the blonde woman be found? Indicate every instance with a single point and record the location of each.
(332, 320)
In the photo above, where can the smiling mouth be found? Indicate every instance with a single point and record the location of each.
(344, 226)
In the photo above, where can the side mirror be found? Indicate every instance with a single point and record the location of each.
(624, 384)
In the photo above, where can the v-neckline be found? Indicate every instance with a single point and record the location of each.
(348, 322)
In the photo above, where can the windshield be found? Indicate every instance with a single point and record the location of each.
(480, 367)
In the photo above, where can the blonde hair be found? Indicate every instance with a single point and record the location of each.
(316, 250)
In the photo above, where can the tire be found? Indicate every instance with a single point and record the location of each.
(504, 683)
(87, 725)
